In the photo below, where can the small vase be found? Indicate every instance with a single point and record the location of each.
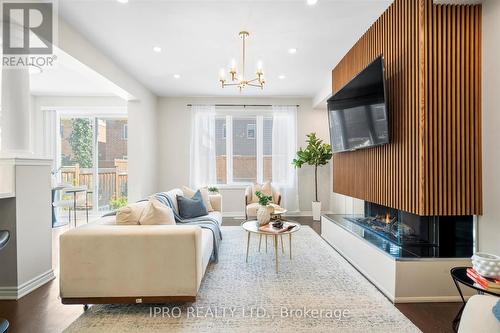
(264, 214)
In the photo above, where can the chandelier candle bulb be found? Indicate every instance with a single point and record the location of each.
(259, 68)
(222, 75)
(238, 79)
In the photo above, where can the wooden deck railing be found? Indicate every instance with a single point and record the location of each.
(113, 182)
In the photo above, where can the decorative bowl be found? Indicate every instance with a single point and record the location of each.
(487, 265)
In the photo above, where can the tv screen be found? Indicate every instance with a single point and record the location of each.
(358, 113)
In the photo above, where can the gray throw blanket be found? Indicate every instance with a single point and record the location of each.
(206, 222)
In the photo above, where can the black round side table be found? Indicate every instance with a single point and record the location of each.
(459, 276)
(4, 239)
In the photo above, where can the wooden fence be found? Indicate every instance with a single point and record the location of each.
(113, 182)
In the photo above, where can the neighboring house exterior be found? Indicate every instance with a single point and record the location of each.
(244, 142)
(115, 146)
(112, 141)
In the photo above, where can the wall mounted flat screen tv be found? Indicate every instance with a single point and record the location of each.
(358, 113)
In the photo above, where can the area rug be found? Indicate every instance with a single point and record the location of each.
(316, 291)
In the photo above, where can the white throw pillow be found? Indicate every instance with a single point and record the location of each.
(131, 214)
(157, 213)
(189, 192)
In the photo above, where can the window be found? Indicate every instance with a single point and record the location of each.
(250, 131)
(125, 132)
(243, 148)
(220, 149)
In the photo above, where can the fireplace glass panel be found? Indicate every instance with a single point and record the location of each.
(422, 236)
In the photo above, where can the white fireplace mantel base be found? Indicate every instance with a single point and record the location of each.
(402, 280)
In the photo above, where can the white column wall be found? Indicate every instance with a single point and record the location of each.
(15, 120)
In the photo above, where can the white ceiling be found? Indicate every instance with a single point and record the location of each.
(200, 37)
(61, 81)
(69, 77)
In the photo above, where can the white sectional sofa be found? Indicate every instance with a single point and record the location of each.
(107, 263)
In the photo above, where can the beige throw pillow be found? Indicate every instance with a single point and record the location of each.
(255, 188)
(157, 213)
(265, 188)
(131, 214)
(189, 192)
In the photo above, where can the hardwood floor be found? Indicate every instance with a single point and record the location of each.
(41, 311)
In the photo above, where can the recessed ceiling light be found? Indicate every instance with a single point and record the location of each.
(312, 2)
(157, 49)
(282, 77)
(292, 50)
(177, 76)
(122, 1)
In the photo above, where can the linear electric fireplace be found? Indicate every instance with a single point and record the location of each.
(408, 257)
(404, 234)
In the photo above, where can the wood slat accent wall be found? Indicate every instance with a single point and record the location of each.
(432, 59)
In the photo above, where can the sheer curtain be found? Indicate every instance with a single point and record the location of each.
(284, 149)
(202, 149)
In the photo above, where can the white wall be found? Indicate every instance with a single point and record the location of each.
(174, 128)
(489, 222)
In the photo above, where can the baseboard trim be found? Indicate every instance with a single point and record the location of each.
(430, 299)
(15, 293)
(234, 214)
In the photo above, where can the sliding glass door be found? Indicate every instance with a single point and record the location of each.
(93, 153)
(112, 162)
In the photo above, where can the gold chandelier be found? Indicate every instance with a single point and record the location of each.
(239, 80)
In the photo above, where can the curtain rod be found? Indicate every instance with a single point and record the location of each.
(245, 105)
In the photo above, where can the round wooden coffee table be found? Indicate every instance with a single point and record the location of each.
(252, 227)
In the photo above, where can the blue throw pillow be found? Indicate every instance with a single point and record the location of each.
(496, 310)
(191, 207)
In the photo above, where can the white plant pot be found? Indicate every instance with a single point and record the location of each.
(264, 214)
(316, 210)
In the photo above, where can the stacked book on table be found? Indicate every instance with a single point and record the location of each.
(271, 229)
(486, 283)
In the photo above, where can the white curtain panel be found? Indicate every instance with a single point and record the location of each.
(284, 149)
(202, 149)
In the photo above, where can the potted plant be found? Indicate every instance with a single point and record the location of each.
(213, 190)
(265, 210)
(315, 154)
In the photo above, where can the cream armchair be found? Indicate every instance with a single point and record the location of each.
(251, 201)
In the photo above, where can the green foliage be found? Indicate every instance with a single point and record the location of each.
(264, 200)
(213, 189)
(117, 203)
(80, 141)
(316, 153)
